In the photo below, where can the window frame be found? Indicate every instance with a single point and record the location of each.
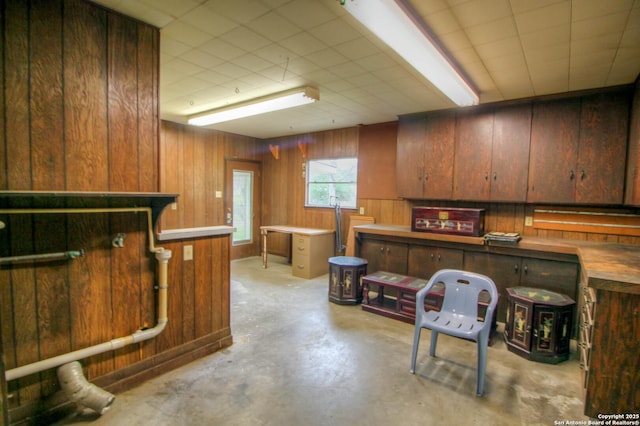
(332, 203)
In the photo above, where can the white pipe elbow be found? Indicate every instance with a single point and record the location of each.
(82, 392)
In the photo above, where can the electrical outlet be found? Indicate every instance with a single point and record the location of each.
(218, 194)
(528, 221)
(361, 210)
(187, 252)
(174, 206)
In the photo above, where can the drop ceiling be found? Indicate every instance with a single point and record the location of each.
(219, 52)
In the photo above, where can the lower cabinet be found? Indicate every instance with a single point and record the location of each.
(424, 261)
(421, 260)
(513, 271)
(387, 256)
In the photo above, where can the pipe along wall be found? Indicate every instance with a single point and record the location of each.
(70, 376)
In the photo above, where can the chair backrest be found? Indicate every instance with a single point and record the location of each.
(462, 289)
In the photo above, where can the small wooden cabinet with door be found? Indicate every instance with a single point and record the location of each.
(425, 152)
(492, 154)
(578, 149)
(384, 255)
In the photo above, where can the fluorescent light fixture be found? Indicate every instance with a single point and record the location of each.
(282, 100)
(391, 22)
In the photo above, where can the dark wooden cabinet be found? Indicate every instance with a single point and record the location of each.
(473, 141)
(492, 154)
(632, 191)
(424, 261)
(513, 271)
(555, 129)
(384, 255)
(578, 149)
(425, 153)
(600, 170)
(538, 325)
(510, 153)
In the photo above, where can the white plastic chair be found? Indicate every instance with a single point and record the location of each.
(458, 316)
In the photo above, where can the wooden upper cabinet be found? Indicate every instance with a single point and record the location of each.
(439, 152)
(425, 156)
(474, 134)
(510, 153)
(555, 130)
(410, 156)
(632, 192)
(492, 154)
(600, 171)
(578, 150)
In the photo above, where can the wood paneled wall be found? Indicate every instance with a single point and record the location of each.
(192, 161)
(80, 113)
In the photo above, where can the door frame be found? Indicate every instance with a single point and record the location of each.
(252, 249)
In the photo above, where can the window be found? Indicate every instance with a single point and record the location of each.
(332, 181)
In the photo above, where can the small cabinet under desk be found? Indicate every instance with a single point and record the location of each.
(310, 249)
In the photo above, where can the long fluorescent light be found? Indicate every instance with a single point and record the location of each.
(392, 24)
(287, 99)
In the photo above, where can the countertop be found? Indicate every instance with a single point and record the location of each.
(606, 266)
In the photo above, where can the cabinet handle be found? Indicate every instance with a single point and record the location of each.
(526, 269)
(432, 256)
(495, 176)
(515, 268)
(582, 175)
(571, 175)
(486, 176)
(426, 177)
(388, 250)
(439, 257)
(381, 249)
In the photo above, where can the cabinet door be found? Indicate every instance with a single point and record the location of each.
(561, 277)
(510, 153)
(554, 145)
(424, 261)
(396, 256)
(504, 270)
(438, 156)
(385, 256)
(603, 143)
(373, 252)
(409, 156)
(474, 134)
(632, 191)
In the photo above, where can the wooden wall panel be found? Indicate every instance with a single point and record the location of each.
(85, 95)
(80, 112)
(17, 95)
(46, 98)
(122, 107)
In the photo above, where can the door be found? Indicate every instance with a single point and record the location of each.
(242, 206)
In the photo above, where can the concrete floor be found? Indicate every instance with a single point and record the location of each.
(298, 359)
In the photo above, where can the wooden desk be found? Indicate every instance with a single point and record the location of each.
(310, 249)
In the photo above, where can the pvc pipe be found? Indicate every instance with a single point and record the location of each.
(80, 391)
(162, 256)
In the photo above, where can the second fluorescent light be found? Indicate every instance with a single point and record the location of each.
(282, 100)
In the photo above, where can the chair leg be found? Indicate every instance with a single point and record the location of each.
(414, 353)
(482, 365)
(434, 342)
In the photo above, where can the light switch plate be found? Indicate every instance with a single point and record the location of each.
(528, 221)
(187, 252)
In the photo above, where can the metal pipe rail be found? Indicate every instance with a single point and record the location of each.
(44, 256)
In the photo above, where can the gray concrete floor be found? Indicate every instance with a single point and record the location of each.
(298, 359)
